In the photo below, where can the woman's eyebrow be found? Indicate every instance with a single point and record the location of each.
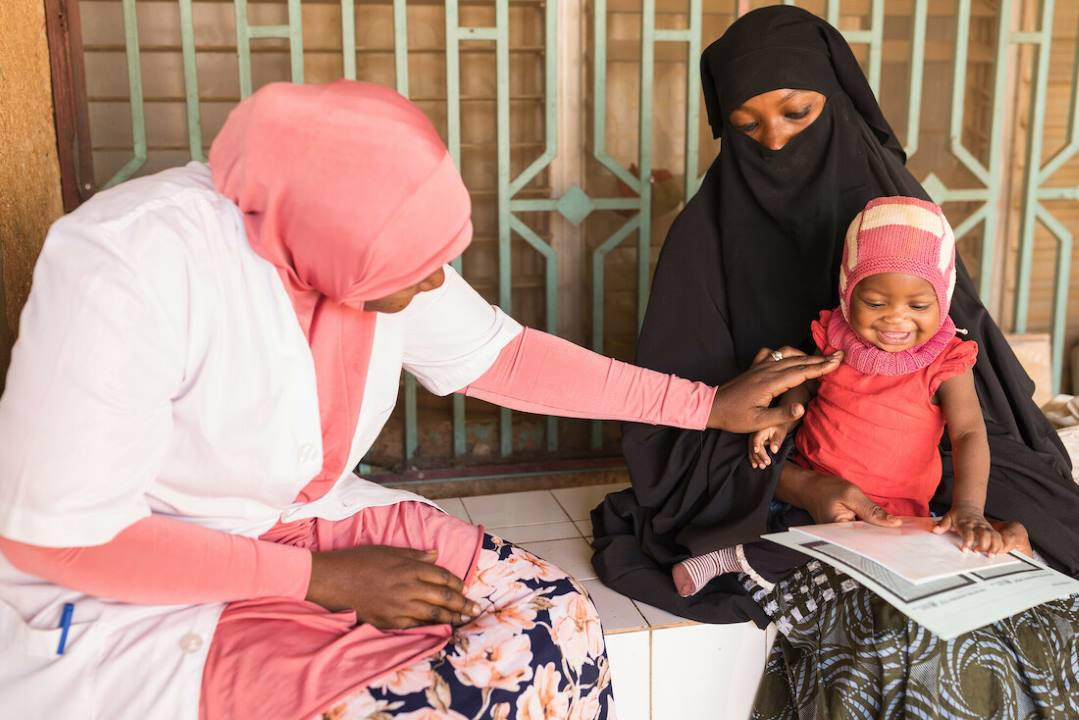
(784, 99)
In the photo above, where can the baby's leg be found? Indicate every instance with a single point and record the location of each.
(693, 574)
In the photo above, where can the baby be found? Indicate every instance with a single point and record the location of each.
(878, 419)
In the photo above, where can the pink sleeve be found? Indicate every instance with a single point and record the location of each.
(956, 360)
(541, 373)
(819, 328)
(158, 561)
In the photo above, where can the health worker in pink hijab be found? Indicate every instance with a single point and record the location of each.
(248, 323)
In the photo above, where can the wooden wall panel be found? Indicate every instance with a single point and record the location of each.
(29, 172)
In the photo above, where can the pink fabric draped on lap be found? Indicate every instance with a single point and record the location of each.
(325, 655)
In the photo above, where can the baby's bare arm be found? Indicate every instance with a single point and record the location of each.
(970, 458)
(771, 438)
(970, 444)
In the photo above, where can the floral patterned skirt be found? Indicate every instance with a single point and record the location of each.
(843, 652)
(535, 653)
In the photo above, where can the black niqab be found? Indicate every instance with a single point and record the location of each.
(749, 263)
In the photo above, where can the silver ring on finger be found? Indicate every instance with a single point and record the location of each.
(776, 355)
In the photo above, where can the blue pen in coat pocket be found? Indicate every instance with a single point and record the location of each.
(65, 625)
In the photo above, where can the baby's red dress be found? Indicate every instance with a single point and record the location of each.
(881, 432)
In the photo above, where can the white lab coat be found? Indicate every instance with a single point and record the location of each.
(160, 368)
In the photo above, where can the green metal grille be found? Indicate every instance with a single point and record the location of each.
(979, 187)
(1037, 188)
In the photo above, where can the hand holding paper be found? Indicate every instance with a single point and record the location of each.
(914, 551)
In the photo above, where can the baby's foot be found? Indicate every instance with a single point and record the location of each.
(683, 580)
(692, 574)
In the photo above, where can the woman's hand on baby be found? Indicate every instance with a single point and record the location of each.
(974, 530)
(388, 587)
(828, 498)
(764, 440)
(743, 405)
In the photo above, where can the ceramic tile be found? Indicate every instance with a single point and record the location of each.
(628, 654)
(660, 618)
(510, 509)
(584, 527)
(748, 671)
(572, 555)
(535, 533)
(454, 507)
(706, 671)
(579, 501)
(617, 612)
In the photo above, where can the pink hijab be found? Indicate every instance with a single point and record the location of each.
(348, 190)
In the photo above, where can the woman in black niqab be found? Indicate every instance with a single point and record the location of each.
(749, 263)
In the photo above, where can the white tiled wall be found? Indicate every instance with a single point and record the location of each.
(663, 667)
(629, 654)
(706, 671)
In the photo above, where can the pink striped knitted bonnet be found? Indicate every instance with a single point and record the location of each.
(899, 235)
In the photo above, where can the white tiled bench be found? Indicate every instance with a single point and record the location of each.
(664, 667)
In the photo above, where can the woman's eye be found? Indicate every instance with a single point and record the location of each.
(747, 127)
(800, 114)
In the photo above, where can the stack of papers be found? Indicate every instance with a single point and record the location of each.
(926, 576)
(912, 551)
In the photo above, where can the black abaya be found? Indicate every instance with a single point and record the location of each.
(749, 262)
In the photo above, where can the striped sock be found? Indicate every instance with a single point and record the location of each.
(693, 574)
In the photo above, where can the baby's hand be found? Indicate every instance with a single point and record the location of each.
(760, 441)
(970, 524)
(1014, 536)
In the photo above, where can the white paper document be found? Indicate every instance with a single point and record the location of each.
(910, 551)
(948, 606)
